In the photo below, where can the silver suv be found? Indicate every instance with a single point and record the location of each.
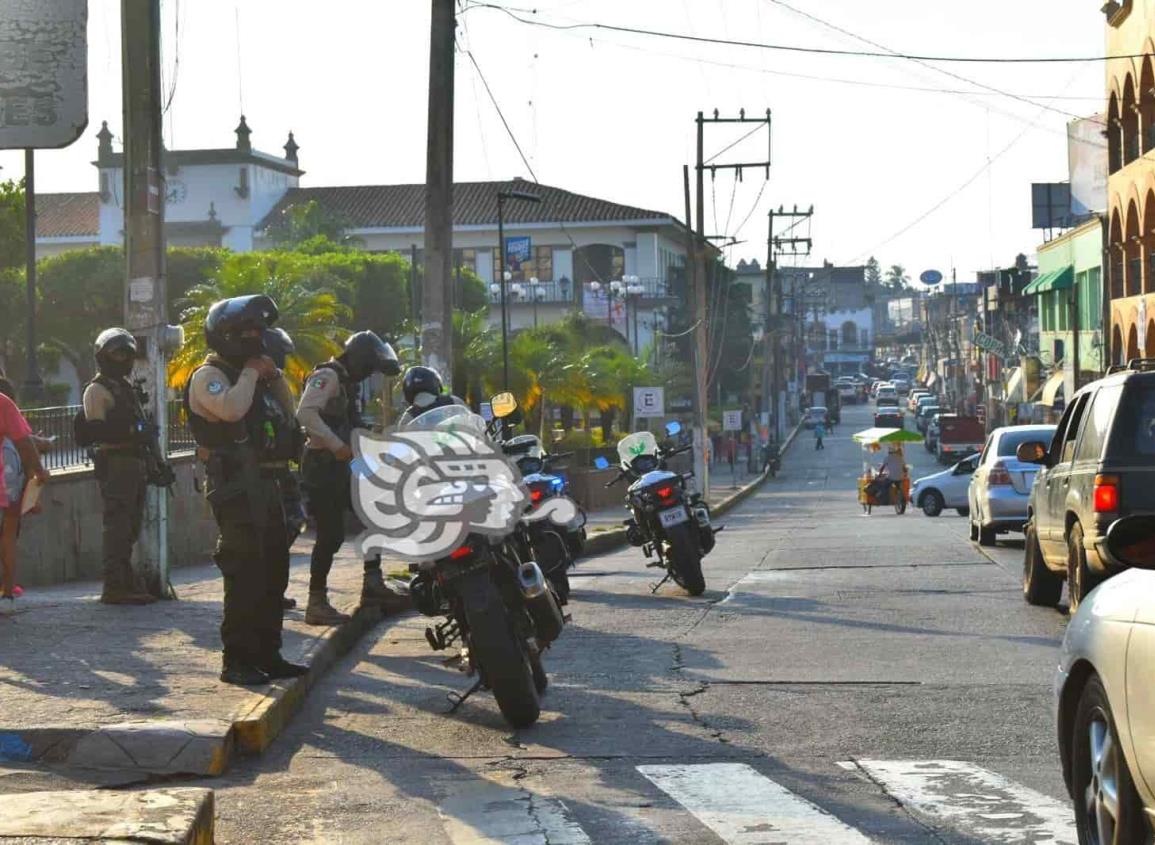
(1098, 468)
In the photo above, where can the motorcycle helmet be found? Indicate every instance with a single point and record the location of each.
(229, 320)
(279, 345)
(366, 354)
(115, 350)
(421, 386)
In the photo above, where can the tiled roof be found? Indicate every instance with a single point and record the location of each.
(474, 204)
(67, 215)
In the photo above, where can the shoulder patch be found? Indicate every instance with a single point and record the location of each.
(215, 388)
(319, 382)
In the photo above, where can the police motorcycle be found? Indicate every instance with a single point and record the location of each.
(495, 600)
(668, 520)
(555, 548)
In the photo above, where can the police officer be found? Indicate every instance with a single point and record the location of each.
(330, 410)
(115, 427)
(240, 412)
(424, 391)
(280, 346)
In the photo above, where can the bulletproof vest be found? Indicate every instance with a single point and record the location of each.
(342, 413)
(126, 413)
(266, 427)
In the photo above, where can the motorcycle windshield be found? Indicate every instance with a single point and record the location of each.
(635, 446)
(449, 418)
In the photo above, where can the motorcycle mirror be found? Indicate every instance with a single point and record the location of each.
(503, 405)
(1131, 541)
(601, 463)
(673, 427)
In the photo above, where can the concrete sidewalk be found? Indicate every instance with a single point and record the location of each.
(136, 689)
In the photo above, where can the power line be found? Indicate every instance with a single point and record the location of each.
(731, 146)
(791, 48)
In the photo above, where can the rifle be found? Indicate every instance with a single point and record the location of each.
(158, 471)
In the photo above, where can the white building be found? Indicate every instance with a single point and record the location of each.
(616, 262)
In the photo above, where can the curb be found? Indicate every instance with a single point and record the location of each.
(183, 816)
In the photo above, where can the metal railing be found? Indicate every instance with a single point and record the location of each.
(57, 422)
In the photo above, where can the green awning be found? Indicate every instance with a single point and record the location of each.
(1055, 280)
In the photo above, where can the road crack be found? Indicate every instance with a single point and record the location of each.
(886, 793)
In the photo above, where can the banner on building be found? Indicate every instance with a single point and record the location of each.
(43, 72)
(1087, 164)
(517, 252)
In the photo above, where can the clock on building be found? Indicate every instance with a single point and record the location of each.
(177, 191)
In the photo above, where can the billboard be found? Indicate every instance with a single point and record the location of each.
(43, 72)
(1087, 164)
(517, 252)
(1050, 205)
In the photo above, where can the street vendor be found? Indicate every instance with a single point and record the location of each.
(894, 467)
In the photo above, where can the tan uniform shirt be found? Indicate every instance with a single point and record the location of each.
(212, 397)
(98, 401)
(321, 388)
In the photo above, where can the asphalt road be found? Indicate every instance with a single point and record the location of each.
(846, 678)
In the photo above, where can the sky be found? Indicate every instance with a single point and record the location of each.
(611, 114)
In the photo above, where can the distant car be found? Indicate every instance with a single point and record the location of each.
(946, 489)
(886, 390)
(1104, 709)
(1001, 485)
(814, 415)
(933, 430)
(888, 418)
(1098, 468)
(916, 394)
(924, 415)
(885, 404)
(958, 436)
(847, 390)
(923, 401)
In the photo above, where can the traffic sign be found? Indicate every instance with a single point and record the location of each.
(930, 277)
(732, 420)
(649, 402)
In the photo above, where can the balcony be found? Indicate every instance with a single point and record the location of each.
(555, 292)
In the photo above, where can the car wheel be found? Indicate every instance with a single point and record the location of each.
(931, 502)
(986, 535)
(1041, 586)
(963, 511)
(1080, 579)
(1107, 806)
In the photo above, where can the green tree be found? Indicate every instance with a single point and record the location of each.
(897, 278)
(12, 224)
(476, 353)
(873, 273)
(313, 228)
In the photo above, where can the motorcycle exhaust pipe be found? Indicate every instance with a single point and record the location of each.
(541, 604)
(531, 580)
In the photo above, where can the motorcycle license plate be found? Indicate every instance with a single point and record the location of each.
(674, 516)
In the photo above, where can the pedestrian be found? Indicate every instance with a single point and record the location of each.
(819, 433)
(19, 460)
(113, 425)
(330, 410)
(240, 411)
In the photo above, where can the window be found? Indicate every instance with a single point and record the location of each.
(1045, 312)
(1098, 423)
(1091, 297)
(1134, 435)
(466, 258)
(1062, 310)
(1063, 446)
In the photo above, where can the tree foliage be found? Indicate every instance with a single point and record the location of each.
(312, 228)
(897, 278)
(12, 224)
(873, 273)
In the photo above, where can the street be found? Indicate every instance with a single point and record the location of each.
(817, 693)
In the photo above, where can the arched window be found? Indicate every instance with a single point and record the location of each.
(1147, 105)
(1132, 249)
(1130, 118)
(1114, 135)
(1115, 248)
(849, 334)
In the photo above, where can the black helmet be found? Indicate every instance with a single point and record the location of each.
(365, 354)
(421, 385)
(109, 350)
(228, 318)
(279, 345)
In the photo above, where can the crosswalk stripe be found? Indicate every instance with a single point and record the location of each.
(744, 807)
(489, 813)
(984, 804)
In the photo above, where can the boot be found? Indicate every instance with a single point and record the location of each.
(320, 612)
(375, 593)
(242, 674)
(288, 603)
(278, 667)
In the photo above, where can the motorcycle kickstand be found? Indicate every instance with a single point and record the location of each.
(657, 586)
(457, 699)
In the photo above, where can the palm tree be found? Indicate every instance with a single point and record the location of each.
(896, 277)
(476, 350)
(312, 315)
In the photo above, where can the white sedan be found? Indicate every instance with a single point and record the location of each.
(946, 489)
(1105, 706)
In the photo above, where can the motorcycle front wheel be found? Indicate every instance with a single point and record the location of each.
(685, 558)
(502, 658)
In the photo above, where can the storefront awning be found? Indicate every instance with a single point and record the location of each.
(1055, 280)
(1051, 390)
(1015, 386)
(931, 380)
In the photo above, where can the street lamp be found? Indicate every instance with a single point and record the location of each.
(502, 196)
(634, 291)
(534, 290)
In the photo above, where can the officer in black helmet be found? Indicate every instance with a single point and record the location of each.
(330, 410)
(240, 412)
(280, 346)
(423, 392)
(116, 429)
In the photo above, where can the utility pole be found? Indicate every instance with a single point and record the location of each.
(437, 293)
(144, 251)
(773, 363)
(701, 319)
(33, 387)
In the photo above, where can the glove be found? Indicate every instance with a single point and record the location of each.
(145, 432)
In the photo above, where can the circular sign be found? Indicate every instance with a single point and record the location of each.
(930, 277)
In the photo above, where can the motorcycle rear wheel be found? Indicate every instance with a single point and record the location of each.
(686, 559)
(504, 661)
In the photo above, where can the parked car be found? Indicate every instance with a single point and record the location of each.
(902, 384)
(1001, 485)
(887, 405)
(888, 418)
(946, 489)
(923, 416)
(814, 415)
(933, 430)
(958, 437)
(1099, 467)
(915, 395)
(847, 390)
(1105, 715)
(929, 399)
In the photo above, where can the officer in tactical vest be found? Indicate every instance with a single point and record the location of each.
(240, 412)
(330, 410)
(116, 429)
(424, 391)
(280, 346)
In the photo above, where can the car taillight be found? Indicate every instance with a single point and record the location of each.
(999, 477)
(1106, 493)
(665, 492)
(459, 553)
(535, 495)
